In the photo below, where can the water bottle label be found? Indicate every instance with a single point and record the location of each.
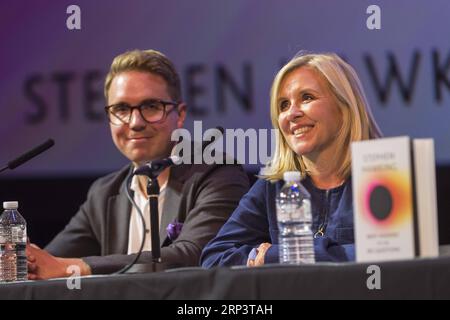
(290, 212)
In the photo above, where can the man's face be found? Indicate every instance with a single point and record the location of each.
(139, 140)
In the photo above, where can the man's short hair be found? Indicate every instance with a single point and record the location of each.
(150, 61)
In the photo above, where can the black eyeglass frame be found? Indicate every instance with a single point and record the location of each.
(164, 103)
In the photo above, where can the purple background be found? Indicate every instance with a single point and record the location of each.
(232, 33)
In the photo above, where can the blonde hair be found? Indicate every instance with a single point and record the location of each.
(150, 61)
(358, 122)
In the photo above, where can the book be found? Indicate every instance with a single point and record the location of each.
(394, 199)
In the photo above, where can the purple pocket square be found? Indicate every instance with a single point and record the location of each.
(174, 229)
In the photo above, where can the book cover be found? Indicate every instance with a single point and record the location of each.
(388, 224)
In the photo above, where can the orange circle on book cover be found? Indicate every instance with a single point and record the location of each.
(387, 199)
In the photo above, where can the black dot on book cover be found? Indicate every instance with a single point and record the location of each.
(380, 202)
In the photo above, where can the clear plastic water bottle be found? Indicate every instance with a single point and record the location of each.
(294, 217)
(13, 240)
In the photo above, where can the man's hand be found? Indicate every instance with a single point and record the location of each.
(42, 265)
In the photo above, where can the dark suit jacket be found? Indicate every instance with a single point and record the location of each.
(201, 196)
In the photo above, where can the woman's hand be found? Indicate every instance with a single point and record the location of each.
(261, 253)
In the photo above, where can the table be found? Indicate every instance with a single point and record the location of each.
(414, 279)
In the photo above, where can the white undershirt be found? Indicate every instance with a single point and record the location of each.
(135, 230)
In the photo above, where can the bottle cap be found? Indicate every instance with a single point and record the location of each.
(292, 176)
(10, 205)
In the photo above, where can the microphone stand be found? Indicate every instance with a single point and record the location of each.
(153, 194)
(152, 171)
(157, 264)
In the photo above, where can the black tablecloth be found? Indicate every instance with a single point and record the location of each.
(416, 279)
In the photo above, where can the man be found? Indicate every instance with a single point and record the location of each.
(143, 93)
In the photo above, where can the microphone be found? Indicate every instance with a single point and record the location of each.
(154, 168)
(29, 155)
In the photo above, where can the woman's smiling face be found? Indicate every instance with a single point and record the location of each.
(309, 115)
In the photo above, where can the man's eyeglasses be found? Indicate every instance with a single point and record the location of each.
(152, 111)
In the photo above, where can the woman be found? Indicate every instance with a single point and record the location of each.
(318, 106)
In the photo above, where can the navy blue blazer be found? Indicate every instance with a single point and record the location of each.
(254, 222)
